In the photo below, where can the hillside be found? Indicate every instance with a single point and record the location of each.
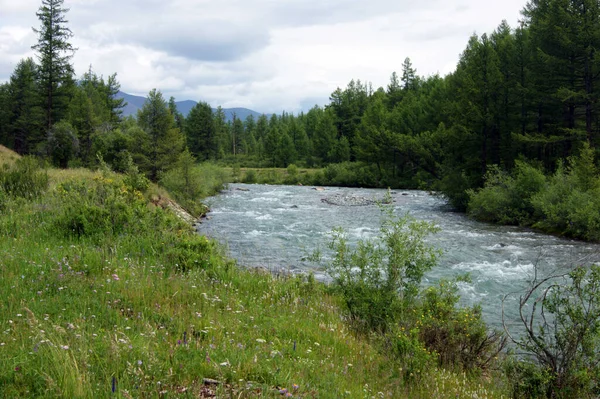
(7, 156)
(134, 103)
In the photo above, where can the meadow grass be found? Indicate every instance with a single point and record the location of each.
(145, 307)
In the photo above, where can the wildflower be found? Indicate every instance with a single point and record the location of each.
(283, 391)
(139, 362)
(295, 386)
(115, 277)
(65, 347)
(260, 340)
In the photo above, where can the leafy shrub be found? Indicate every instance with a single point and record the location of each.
(561, 326)
(505, 198)
(134, 179)
(458, 335)
(406, 346)
(378, 278)
(103, 208)
(526, 379)
(63, 144)
(569, 204)
(250, 177)
(190, 253)
(25, 179)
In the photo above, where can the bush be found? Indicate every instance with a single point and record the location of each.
(507, 199)
(63, 144)
(561, 331)
(250, 177)
(104, 208)
(380, 278)
(569, 204)
(25, 179)
(457, 335)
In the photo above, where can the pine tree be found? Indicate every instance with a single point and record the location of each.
(54, 55)
(165, 139)
(409, 75)
(200, 131)
(25, 122)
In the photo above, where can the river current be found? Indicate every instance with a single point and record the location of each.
(277, 227)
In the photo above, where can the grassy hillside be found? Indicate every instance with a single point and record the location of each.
(106, 295)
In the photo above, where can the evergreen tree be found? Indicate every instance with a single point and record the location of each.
(166, 141)
(54, 55)
(25, 116)
(409, 75)
(200, 132)
(221, 132)
(178, 119)
(5, 116)
(286, 153)
(84, 121)
(115, 105)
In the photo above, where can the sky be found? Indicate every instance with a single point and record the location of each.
(266, 55)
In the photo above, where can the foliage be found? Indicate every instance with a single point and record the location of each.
(100, 209)
(24, 179)
(378, 279)
(457, 335)
(62, 145)
(162, 142)
(188, 182)
(560, 317)
(507, 199)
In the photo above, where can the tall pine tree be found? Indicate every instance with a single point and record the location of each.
(54, 53)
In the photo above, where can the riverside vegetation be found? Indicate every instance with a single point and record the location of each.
(107, 294)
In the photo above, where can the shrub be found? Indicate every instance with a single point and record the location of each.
(378, 278)
(507, 198)
(561, 331)
(25, 179)
(250, 177)
(458, 335)
(63, 144)
(96, 210)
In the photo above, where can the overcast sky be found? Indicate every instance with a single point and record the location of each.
(267, 55)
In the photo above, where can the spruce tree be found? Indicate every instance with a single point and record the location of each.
(25, 116)
(166, 141)
(54, 55)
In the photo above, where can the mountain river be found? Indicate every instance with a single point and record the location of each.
(277, 227)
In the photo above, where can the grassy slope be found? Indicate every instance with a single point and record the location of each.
(83, 317)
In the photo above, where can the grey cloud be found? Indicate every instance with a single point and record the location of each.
(213, 41)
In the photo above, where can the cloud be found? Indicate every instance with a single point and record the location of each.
(263, 54)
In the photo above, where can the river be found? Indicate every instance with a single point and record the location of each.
(277, 227)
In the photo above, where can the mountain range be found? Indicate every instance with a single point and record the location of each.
(134, 103)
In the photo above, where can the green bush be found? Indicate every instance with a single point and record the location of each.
(101, 209)
(378, 279)
(250, 177)
(561, 332)
(507, 198)
(25, 179)
(185, 253)
(458, 335)
(63, 144)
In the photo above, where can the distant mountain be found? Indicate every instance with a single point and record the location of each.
(134, 103)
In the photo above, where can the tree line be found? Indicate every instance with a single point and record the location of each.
(526, 92)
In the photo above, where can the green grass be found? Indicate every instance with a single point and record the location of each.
(151, 309)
